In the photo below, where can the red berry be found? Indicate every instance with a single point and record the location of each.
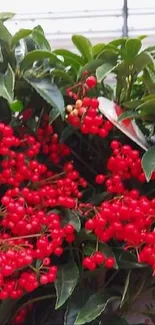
(90, 224)
(110, 262)
(91, 82)
(100, 178)
(98, 257)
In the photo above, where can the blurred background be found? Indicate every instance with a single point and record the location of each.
(99, 20)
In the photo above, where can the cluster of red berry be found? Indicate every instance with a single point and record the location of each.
(128, 217)
(85, 114)
(123, 164)
(49, 142)
(97, 259)
(30, 230)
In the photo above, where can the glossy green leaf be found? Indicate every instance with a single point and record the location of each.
(22, 33)
(32, 124)
(40, 39)
(132, 47)
(5, 316)
(93, 308)
(126, 286)
(116, 320)
(68, 55)
(103, 70)
(79, 297)
(142, 60)
(66, 281)
(128, 115)
(108, 56)
(91, 67)
(54, 114)
(36, 55)
(127, 260)
(97, 49)
(67, 132)
(147, 107)
(148, 162)
(62, 74)
(49, 91)
(132, 104)
(1, 55)
(118, 42)
(5, 34)
(141, 37)
(6, 15)
(149, 80)
(71, 217)
(84, 46)
(7, 81)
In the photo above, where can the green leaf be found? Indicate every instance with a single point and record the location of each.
(5, 34)
(149, 80)
(98, 198)
(49, 91)
(6, 15)
(132, 104)
(108, 56)
(66, 281)
(117, 320)
(148, 162)
(97, 49)
(118, 42)
(67, 132)
(127, 260)
(103, 70)
(141, 37)
(7, 81)
(77, 300)
(36, 55)
(54, 114)
(22, 33)
(84, 46)
(126, 286)
(132, 47)
(6, 305)
(128, 115)
(71, 217)
(62, 74)
(147, 108)
(142, 60)
(91, 67)
(93, 308)
(40, 39)
(32, 124)
(69, 56)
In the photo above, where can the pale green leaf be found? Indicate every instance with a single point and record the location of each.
(6, 15)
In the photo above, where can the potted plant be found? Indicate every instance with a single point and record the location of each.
(77, 199)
